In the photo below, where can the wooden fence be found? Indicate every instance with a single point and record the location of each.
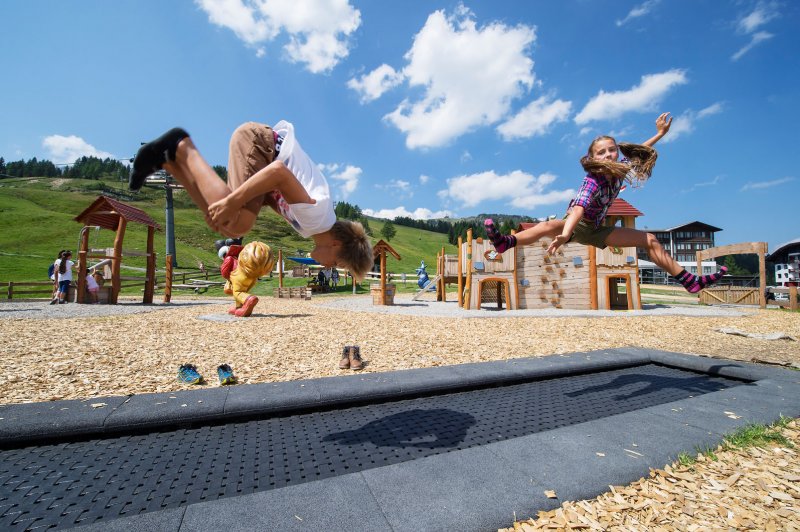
(737, 295)
(46, 290)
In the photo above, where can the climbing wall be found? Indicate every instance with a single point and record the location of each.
(553, 281)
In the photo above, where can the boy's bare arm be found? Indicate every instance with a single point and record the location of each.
(275, 176)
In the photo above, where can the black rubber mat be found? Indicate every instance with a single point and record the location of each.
(78, 483)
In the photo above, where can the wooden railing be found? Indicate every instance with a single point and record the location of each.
(13, 289)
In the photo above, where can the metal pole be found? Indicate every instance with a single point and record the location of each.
(170, 229)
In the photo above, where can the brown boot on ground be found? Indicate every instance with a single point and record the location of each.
(344, 363)
(355, 358)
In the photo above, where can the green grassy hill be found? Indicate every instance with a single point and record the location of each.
(37, 220)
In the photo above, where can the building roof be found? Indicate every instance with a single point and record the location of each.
(695, 224)
(787, 247)
(106, 212)
(384, 247)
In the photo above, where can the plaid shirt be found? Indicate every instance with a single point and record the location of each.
(596, 195)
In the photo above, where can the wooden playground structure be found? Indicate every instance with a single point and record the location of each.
(108, 213)
(577, 277)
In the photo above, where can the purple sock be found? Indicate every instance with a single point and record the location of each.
(500, 242)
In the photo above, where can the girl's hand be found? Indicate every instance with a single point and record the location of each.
(557, 242)
(663, 122)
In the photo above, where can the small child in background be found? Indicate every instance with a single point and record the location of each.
(91, 286)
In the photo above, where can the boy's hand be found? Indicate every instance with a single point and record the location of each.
(663, 122)
(223, 211)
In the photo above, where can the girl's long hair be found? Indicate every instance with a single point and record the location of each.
(641, 160)
(62, 267)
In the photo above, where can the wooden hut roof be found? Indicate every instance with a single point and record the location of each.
(382, 246)
(620, 207)
(106, 212)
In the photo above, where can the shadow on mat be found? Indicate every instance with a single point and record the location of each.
(428, 429)
(647, 384)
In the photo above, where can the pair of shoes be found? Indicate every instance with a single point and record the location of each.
(351, 358)
(151, 156)
(54, 301)
(247, 308)
(225, 374)
(188, 374)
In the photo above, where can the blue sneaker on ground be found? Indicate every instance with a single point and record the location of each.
(226, 376)
(188, 374)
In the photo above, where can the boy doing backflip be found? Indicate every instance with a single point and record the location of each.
(266, 166)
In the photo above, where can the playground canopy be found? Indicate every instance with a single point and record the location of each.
(308, 261)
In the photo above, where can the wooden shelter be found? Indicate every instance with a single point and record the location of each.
(108, 213)
(380, 250)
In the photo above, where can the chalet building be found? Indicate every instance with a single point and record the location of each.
(787, 263)
(682, 242)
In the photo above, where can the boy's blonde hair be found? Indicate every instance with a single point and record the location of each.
(356, 251)
(256, 259)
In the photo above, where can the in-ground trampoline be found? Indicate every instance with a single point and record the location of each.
(474, 444)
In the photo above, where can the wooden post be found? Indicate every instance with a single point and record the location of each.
(468, 289)
(280, 268)
(440, 265)
(592, 277)
(762, 275)
(793, 305)
(82, 266)
(383, 277)
(150, 280)
(460, 270)
(515, 278)
(11, 290)
(116, 262)
(168, 279)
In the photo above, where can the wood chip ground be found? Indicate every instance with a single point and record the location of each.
(88, 358)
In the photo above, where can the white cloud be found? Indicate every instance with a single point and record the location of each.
(765, 184)
(757, 38)
(714, 182)
(748, 24)
(466, 156)
(318, 30)
(643, 97)
(423, 179)
(535, 119)
(763, 13)
(372, 86)
(639, 11)
(417, 214)
(66, 150)
(347, 177)
(469, 75)
(522, 189)
(685, 123)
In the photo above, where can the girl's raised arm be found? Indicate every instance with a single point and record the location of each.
(663, 122)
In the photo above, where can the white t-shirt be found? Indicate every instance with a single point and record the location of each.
(91, 284)
(307, 219)
(67, 275)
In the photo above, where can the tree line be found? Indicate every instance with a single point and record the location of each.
(84, 168)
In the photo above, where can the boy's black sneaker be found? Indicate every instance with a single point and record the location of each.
(152, 156)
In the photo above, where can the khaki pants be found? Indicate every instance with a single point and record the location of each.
(252, 148)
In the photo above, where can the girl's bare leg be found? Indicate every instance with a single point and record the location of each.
(625, 236)
(549, 229)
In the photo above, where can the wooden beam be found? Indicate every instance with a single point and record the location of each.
(592, 277)
(116, 262)
(150, 282)
(168, 279)
(460, 271)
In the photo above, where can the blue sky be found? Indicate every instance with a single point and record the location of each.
(432, 108)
